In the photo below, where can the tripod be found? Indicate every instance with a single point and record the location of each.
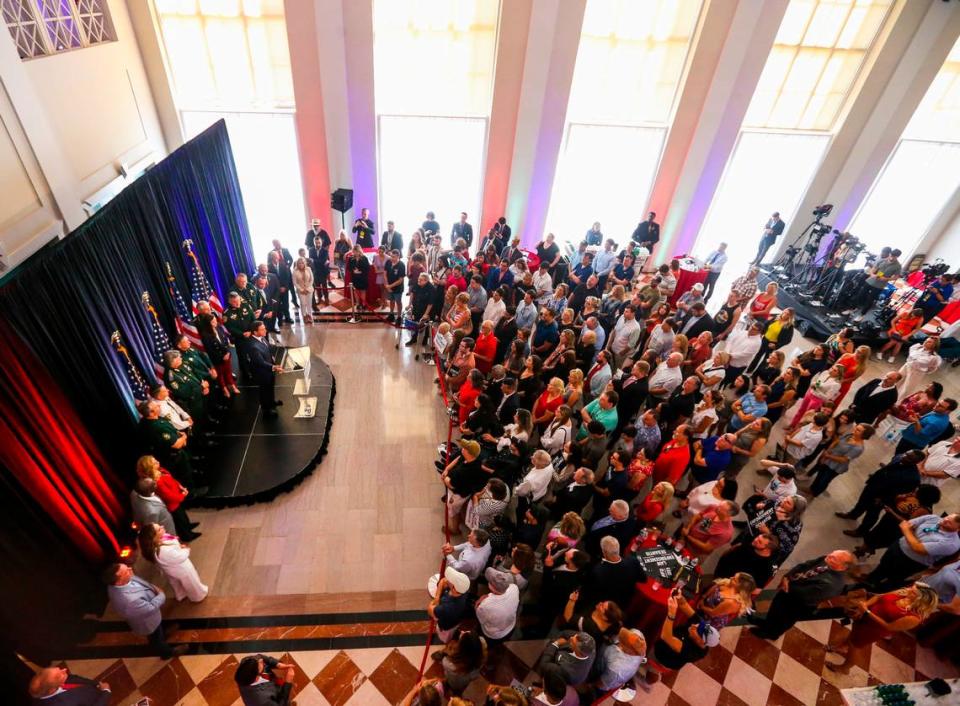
(788, 261)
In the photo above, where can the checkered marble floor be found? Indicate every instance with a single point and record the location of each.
(743, 669)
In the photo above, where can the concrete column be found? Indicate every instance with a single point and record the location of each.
(549, 60)
(706, 47)
(147, 31)
(913, 46)
(512, 37)
(358, 50)
(752, 30)
(341, 40)
(301, 20)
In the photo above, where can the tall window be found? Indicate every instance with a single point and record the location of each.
(229, 59)
(819, 50)
(921, 174)
(433, 87)
(629, 64)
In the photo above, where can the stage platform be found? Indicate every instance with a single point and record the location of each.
(257, 457)
(813, 322)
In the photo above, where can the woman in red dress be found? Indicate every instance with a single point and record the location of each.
(172, 493)
(883, 615)
(674, 458)
(548, 403)
(853, 366)
(654, 504)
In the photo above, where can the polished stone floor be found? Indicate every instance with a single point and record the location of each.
(363, 532)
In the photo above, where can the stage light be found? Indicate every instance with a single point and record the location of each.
(126, 553)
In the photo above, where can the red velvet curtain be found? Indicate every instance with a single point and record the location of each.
(46, 450)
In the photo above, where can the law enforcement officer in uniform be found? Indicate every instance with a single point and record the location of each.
(245, 288)
(161, 439)
(239, 319)
(185, 386)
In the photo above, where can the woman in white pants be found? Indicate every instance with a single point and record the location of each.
(303, 283)
(173, 558)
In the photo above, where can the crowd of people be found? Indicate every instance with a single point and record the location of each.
(596, 409)
(596, 413)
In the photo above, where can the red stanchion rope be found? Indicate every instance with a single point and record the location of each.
(446, 514)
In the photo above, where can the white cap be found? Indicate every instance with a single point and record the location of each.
(457, 579)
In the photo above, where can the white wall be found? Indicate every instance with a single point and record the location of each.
(67, 123)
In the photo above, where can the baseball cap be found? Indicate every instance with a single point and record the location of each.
(457, 579)
(498, 582)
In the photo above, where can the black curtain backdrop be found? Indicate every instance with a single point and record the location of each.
(67, 300)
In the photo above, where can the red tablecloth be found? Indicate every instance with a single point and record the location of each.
(685, 281)
(648, 609)
(950, 313)
(373, 289)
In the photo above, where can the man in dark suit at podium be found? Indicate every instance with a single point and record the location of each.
(56, 686)
(261, 368)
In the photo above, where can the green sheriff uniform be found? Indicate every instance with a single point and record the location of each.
(198, 363)
(186, 389)
(238, 320)
(157, 436)
(248, 293)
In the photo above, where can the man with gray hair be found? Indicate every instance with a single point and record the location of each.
(497, 611)
(185, 388)
(618, 524)
(804, 587)
(614, 577)
(573, 653)
(469, 557)
(666, 378)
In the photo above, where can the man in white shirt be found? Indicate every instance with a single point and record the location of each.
(535, 484)
(625, 336)
(742, 345)
(497, 611)
(714, 266)
(666, 377)
(170, 410)
(495, 308)
(783, 482)
(542, 283)
(470, 557)
(942, 463)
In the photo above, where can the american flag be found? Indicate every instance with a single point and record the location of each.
(199, 286)
(137, 384)
(158, 337)
(184, 320)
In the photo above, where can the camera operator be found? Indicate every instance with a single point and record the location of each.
(887, 268)
(773, 228)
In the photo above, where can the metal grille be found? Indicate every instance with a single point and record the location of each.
(42, 27)
(62, 28)
(94, 21)
(24, 27)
